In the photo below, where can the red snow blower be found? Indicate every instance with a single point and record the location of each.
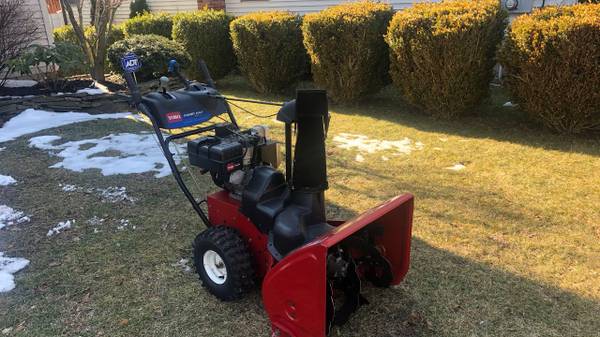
(264, 226)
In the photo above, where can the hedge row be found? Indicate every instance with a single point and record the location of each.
(439, 55)
(154, 51)
(442, 55)
(551, 61)
(205, 35)
(149, 23)
(348, 55)
(269, 49)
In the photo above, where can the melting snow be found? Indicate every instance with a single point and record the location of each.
(60, 227)
(364, 144)
(456, 167)
(2, 148)
(20, 83)
(9, 216)
(91, 91)
(96, 221)
(139, 153)
(111, 194)
(9, 266)
(6, 180)
(183, 264)
(123, 223)
(31, 121)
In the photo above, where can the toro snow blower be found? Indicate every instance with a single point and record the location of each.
(268, 227)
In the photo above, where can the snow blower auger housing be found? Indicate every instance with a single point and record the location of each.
(264, 226)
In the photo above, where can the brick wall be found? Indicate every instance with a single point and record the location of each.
(213, 4)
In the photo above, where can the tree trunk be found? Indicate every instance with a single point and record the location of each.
(98, 72)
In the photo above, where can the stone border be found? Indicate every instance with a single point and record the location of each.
(82, 102)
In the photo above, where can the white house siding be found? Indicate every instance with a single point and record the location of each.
(241, 7)
(168, 6)
(41, 19)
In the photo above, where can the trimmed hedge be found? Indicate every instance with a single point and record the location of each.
(551, 61)
(269, 49)
(348, 54)
(442, 54)
(66, 34)
(205, 35)
(149, 23)
(155, 52)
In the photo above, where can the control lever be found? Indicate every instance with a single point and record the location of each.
(174, 69)
(163, 84)
(206, 74)
(136, 97)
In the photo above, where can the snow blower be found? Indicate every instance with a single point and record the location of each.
(270, 228)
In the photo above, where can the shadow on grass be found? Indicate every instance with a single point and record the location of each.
(491, 120)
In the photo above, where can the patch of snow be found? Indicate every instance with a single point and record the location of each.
(364, 144)
(9, 216)
(68, 187)
(8, 267)
(20, 83)
(509, 104)
(139, 153)
(6, 180)
(96, 221)
(183, 264)
(61, 226)
(456, 167)
(2, 148)
(359, 158)
(113, 194)
(31, 121)
(91, 91)
(123, 223)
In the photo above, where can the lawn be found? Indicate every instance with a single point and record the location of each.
(506, 246)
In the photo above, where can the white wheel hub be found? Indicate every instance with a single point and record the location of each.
(214, 266)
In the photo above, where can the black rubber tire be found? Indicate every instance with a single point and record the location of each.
(233, 250)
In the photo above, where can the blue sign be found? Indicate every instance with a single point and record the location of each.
(130, 63)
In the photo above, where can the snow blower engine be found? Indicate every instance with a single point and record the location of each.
(268, 227)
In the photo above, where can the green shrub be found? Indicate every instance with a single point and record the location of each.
(551, 61)
(149, 23)
(205, 35)
(269, 49)
(50, 65)
(138, 7)
(154, 51)
(348, 54)
(442, 54)
(66, 34)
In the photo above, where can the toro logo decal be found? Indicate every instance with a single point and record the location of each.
(173, 117)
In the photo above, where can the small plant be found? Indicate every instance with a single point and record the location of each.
(269, 49)
(345, 43)
(442, 54)
(50, 65)
(205, 35)
(154, 51)
(138, 7)
(149, 23)
(551, 62)
(17, 31)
